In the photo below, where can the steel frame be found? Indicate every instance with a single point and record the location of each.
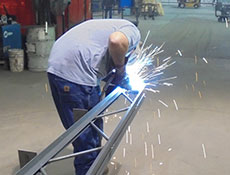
(38, 163)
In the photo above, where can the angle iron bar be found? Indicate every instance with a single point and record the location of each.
(99, 131)
(127, 97)
(113, 112)
(43, 171)
(74, 154)
(68, 136)
(109, 148)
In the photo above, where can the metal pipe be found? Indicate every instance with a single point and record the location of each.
(129, 99)
(42, 171)
(111, 113)
(99, 131)
(73, 155)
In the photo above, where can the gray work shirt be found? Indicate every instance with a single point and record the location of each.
(77, 56)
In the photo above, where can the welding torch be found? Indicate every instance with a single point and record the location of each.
(113, 79)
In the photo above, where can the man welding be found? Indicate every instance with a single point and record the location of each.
(78, 60)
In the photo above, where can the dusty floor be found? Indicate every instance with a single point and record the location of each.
(193, 140)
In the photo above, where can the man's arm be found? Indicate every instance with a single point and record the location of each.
(118, 46)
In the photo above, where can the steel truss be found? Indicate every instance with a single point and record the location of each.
(47, 156)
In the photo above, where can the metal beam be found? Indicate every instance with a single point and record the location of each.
(48, 155)
(67, 137)
(74, 154)
(109, 148)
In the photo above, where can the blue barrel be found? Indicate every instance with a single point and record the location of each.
(126, 3)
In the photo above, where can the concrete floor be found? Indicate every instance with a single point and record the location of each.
(194, 140)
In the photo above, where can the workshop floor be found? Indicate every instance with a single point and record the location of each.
(193, 140)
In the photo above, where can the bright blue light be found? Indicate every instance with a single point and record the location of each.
(134, 80)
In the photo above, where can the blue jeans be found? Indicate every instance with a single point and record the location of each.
(66, 96)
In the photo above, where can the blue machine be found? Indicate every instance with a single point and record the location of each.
(10, 38)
